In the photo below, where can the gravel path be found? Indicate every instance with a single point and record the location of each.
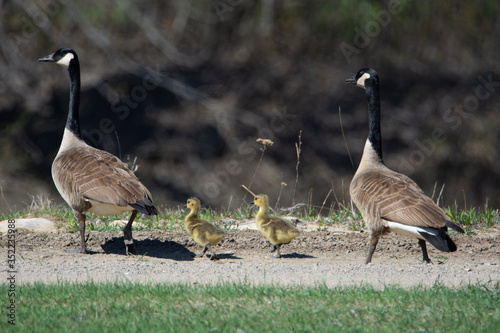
(333, 258)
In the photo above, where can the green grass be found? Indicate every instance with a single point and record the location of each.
(169, 218)
(128, 307)
(474, 218)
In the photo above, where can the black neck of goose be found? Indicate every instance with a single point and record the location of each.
(374, 135)
(73, 122)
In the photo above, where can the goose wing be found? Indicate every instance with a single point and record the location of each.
(100, 176)
(395, 197)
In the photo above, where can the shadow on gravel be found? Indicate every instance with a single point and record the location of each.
(296, 255)
(228, 256)
(150, 248)
(222, 256)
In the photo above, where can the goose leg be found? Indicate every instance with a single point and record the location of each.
(130, 247)
(203, 252)
(273, 249)
(425, 256)
(80, 217)
(373, 246)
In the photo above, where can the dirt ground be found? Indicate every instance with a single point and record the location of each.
(334, 258)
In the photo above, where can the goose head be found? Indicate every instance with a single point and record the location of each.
(63, 57)
(193, 204)
(261, 200)
(366, 77)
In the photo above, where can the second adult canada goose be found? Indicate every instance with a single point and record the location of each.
(203, 232)
(390, 201)
(89, 179)
(276, 230)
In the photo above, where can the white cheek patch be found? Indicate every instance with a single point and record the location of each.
(64, 61)
(361, 80)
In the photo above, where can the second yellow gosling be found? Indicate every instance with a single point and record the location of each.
(276, 230)
(203, 232)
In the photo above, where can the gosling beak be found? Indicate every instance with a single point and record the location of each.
(351, 80)
(49, 58)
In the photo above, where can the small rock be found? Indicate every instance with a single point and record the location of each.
(32, 225)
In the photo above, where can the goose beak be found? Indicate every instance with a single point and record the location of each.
(351, 80)
(49, 58)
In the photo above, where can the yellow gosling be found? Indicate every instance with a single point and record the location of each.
(203, 232)
(276, 230)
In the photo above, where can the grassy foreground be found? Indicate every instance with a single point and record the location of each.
(127, 307)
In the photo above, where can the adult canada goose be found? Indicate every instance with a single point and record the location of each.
(390, 201)
(276, 230)
(89, 179)
(203, 232)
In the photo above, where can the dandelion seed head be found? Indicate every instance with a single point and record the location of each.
(265, 142)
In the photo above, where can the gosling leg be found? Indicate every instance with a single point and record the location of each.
(214, 255)
(202, 252)
(278, 254)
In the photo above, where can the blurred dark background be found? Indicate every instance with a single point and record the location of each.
(190, 85)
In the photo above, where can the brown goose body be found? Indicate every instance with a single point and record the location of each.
(93, 180)
(203, 232)
(390, 201)
(89, 179)
(276, 230)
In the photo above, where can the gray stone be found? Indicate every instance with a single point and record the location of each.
(33, 225)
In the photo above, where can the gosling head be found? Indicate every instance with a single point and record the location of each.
(261, 200)
(63, 57)
(193, 204)
(365, 77)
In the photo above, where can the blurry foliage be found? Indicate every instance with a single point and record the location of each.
(229, 69)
